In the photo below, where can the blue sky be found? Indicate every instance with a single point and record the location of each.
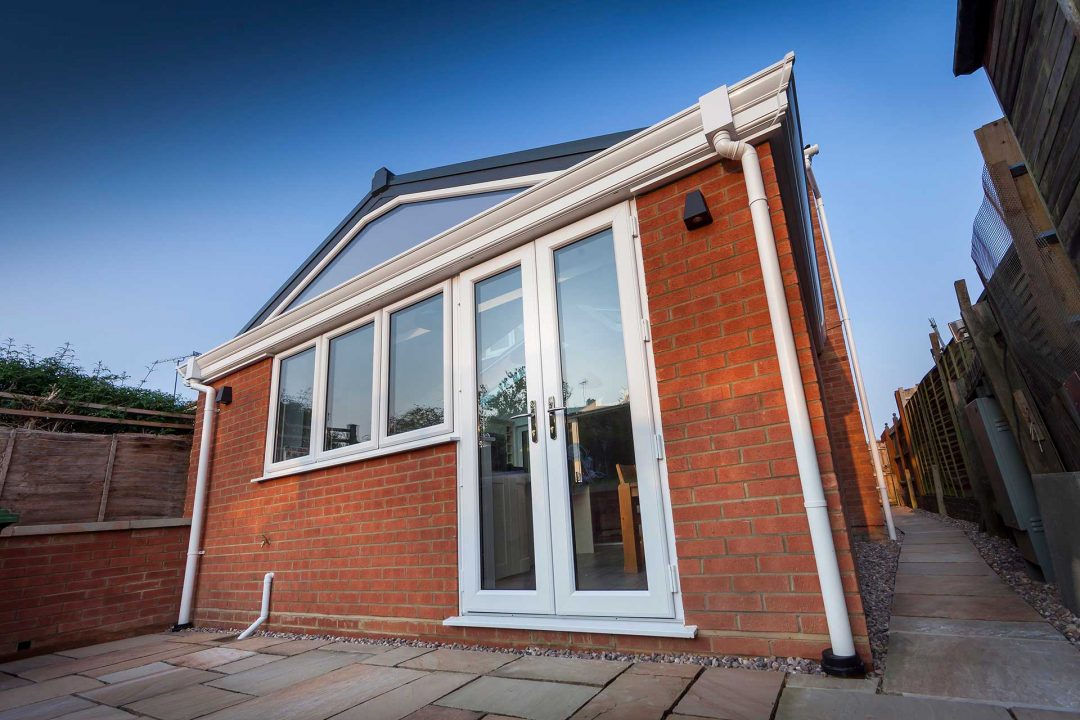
(164, 167)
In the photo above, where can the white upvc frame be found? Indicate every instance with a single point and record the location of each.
(657, 601)
(447, 425)
(525, 182)
(380, 443)
(541, 600)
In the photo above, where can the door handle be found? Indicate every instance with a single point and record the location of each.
(532, 419)
(551, 409)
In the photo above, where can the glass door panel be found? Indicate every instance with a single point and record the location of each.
(603, 477)
(506, 541)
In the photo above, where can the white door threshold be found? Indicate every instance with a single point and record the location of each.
(608, 626)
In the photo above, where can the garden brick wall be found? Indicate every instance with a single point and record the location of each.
(371, 547)
(73, 589)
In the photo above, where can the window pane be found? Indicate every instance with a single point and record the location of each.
(348, 389)
(416, 367)
(389, 235)
(296, 385)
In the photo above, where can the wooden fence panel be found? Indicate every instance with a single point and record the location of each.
(51, 477)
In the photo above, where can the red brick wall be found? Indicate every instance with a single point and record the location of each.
(748, 572)
(851, 455)
(371, 547)
(73, 589)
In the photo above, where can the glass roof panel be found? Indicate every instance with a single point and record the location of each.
(389, 235)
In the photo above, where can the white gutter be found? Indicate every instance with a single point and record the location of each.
(717, 122)
(264, 612)
(198, 510)
(849, 334)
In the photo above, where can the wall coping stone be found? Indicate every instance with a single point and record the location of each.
(83, 527)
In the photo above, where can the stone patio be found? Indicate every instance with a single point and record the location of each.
(963, 647)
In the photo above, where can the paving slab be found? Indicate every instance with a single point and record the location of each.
(47, 709)
(397, 655)
(18, 667)
(822, 704)
(930, 555)
(46, 690)
(557, 669)
(934, 538)
(187, 703)
(1030, 714)
(409, 699)
(732, 694)
(967, 607)
(1005, 671)
(130, 691)
(81, 665)
(295, 647)
(937, 568)
(975, 628)
(322, 697)
(99, 712)
(686, 670)
(531, 699)
(198, 637)
(112, 646)
(475, 662)
(359, 648)
(865, 685)
(211, 658)
(248, 663)
(134, 672)
(176, 650)
(254, 643)
(283, 673)
(952, 585)
(635, 697)
(7, 682)
(434, 712)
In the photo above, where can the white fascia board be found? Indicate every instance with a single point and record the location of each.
(672, 147)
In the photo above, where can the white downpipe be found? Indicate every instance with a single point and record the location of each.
(198, 510)
(849, 334)
(817, 513)
(264, 613)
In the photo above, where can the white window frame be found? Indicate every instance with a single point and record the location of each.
(381, 443)
(447, 425)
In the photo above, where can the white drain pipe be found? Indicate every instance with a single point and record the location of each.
(264, 613)
(849, 333)
(198, 510)
(717, 121)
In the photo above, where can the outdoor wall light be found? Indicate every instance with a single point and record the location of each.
(695, 212)
(224, 395)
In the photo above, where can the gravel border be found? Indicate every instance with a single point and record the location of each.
(798, 666)
(876, 565)
(1007, 562)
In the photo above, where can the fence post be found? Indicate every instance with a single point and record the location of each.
(108, 479)
(5, 462)
(939, 492)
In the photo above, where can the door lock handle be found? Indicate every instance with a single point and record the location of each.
(532, 419)
(551, 410)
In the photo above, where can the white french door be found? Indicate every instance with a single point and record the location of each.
(561, 507)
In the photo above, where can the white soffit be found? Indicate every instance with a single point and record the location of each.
(670, 148)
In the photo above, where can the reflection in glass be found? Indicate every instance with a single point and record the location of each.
(296, 385)
(348, 388)
(608, 548)
(506, 530)
(389, 235)
(416, 367)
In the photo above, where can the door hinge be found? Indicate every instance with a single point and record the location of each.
(659, 440)
(673, 578)
(635, 231)
(645, 336)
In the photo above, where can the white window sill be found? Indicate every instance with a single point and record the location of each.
(357, 457)
(607, 626)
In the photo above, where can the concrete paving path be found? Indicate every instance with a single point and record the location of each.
(963, 647)
(964, 634)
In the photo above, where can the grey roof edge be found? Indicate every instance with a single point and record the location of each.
(973, 19)
(388, 185)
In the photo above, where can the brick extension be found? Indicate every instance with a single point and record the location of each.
(371, 547)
